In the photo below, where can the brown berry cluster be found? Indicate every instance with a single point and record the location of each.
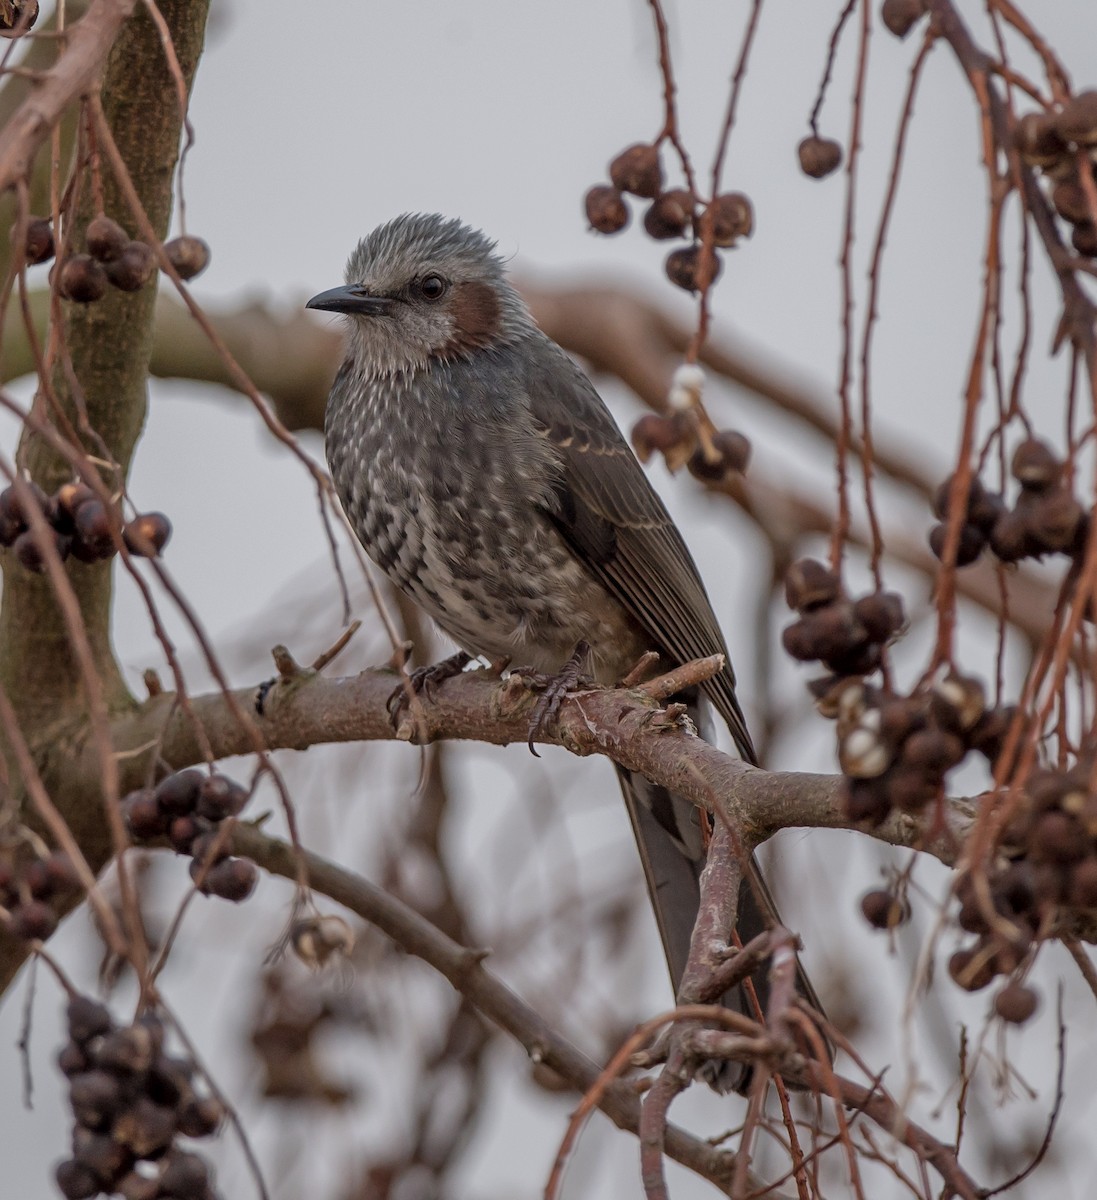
(1046, 518)
(131, 1102)
(1049, 141)
(83, 526)
(895, 751)
(673, 213)
(111, 258)
(846, 636)
(187, 808)
(26, 888)
(1047, 868)
(714, 457)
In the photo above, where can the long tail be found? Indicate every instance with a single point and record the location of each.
(672, 850)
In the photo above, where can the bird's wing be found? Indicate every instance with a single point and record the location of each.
(615, 522)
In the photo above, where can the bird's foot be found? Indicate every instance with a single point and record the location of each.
(422, 682)
(553, 690)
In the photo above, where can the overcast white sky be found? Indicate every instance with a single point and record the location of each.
(317, 121)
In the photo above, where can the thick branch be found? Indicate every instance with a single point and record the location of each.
(626, 726)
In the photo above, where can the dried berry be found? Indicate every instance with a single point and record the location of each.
(232, 879)
(96, 1098)
(96, 525)
(38, 246)
(652, 432)
(75, 1180)
(1069, 198)
(638, 170)
(188, 255)
(606, 209)
(45, 877)
(32, 920)
(862, 754)
(1038, 141)
(1035, 466)
(1056, 520)
(133, 268)
(144, 818)
(958, 702)
(685, 268)
(147, 534)
(318, 939)
(881, 614)
(884, 910)
(64, 503)
(220, 797)
(819, 157)
(145, 1127)
(201, 1116)
(971, 544)
(130, 1049)
(105, 239)
(731, 217)
(730, 455)
(177, 794)
(102, 1155)
(184, 1174)
(971, 969)
(72, 1060)
(933, 750)
(866, 801)
(169, 1081)
(28, 551)
(183, 830)
(135, 1186)
(1078, 120)
(900, 16)
(670, 215)
(810, 585)
(1057, 838)
(1015, 1003)
(1083, 237)
(87, 1019)
(1011, 538)
(82, 280)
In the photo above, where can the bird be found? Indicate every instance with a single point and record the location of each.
(484, 475)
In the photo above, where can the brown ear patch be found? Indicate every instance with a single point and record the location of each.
(474, 308)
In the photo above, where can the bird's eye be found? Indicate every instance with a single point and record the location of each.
(432, 287)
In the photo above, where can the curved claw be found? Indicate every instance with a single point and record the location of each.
(556, 687)
(422, 682)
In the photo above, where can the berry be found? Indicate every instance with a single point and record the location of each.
(188, 255)
(133, 268)
(638, 170)
(606, 209)
(82, 280)
(669, 215)
(684, 268)
(883, 909)
(819, 157)
(38, 247)
(105, 239)
(147, 534)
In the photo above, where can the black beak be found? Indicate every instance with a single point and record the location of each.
(352, 298)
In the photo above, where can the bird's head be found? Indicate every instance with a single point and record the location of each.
(423, 287)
